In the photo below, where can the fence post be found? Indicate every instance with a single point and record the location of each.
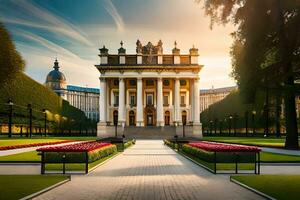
(215, 162)
(10, 104)
(86, 163)
(43, 163)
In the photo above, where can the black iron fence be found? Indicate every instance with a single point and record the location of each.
(28, 121)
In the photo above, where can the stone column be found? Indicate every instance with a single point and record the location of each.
(102, 102)
(196, 120)
(159, 107)
(139, 104)
(121, 111)
(177, 101)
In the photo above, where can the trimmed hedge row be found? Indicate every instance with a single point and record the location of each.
(221, 157)
(102, 153)
(79, 157)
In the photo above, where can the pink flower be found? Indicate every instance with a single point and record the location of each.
(221, 147)
(79, 147)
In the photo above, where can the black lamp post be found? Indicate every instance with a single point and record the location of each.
(45, 121)
(30, 119)
(10, 104)
(183, 127)
(234, 124)
(116, 128)
(246, 122)
(230, 121)
(266, 112)
(253, 122)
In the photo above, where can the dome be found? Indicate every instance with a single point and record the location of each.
(56, 80)
(55, 75)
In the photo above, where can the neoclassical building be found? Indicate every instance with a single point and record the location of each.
(83, 98)
(214, 95)
(149, 89)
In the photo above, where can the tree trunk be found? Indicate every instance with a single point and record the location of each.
(291, 141)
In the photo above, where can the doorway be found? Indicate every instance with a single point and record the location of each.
(167, 118)
(150, 118)
(131, 118)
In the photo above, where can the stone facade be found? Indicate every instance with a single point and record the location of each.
(149, 89)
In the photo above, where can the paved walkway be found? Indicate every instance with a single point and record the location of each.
(149, 170)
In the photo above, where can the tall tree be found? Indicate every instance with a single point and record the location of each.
(266, 48)
(10, 60)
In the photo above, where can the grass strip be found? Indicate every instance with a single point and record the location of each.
(281, 187)
(18, 186)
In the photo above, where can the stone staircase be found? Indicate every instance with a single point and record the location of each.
(149, 132)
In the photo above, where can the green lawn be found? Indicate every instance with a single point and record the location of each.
(4, 141)
(265, 142)
(18, 186)
(281, 187)
(30, 156)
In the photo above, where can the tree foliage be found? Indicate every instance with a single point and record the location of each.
(10, 60)
(266, 39)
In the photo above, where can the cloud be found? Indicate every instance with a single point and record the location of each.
(46, 20)
(111, 9)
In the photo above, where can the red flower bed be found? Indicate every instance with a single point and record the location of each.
(32, 145)
(221, 147)
(79, 147)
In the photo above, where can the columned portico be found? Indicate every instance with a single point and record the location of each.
(149, 89)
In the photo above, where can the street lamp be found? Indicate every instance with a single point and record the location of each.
(10, 104)
(253, 122)
(183, 127)
(30, 119)
(116, 128)
(230, 121)
(45, 121)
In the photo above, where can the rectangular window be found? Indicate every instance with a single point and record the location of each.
(182, 100)
(132, 100)
(116, 99)
(166, 100)
(149, 100)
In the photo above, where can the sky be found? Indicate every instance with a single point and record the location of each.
(74, 30)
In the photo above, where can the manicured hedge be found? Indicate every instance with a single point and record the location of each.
(79, 157)
(101, 153)
(221, 157)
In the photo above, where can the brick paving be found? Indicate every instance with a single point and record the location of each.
(149, 170)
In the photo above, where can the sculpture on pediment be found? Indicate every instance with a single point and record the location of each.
(159, 49)
(139, 47)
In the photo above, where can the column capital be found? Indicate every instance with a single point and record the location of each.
(159, 78)
(121, 79)
(139, 78)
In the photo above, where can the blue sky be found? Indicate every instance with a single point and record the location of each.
(73, 31)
